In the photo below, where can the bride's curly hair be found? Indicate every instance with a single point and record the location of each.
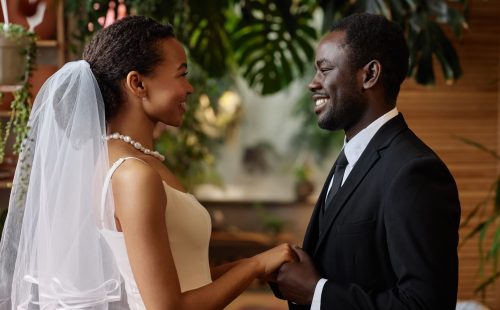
(130, 44)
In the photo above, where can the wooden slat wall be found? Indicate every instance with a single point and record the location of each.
(467, 109)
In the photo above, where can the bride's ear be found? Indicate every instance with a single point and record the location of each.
(134, 83)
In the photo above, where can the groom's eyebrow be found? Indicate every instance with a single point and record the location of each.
(182, 66)
(323, 61)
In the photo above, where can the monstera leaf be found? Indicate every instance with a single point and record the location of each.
(202, 28)
(273, 42)
(424, 43)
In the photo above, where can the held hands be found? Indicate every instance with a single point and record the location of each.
(270, 260)
(297, 280)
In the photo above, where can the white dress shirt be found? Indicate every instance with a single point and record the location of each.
(353, 150)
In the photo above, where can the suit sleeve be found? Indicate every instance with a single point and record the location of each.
(421, 217)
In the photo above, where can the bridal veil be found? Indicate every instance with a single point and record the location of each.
(52, 255)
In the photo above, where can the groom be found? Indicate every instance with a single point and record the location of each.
(384, 232)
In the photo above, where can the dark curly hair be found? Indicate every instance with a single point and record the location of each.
(370, 37)
(131, 43)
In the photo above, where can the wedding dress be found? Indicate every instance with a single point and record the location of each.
(189, 228)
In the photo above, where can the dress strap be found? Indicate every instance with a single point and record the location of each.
(107, 181)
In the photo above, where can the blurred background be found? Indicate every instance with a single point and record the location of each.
(249, 148)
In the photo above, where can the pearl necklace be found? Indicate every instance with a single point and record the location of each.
(137, 145)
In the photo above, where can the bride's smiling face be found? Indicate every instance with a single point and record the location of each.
(167, 87)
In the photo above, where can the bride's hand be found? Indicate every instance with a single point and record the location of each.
(270, 260)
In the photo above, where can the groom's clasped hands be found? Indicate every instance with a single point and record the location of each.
(296, 279)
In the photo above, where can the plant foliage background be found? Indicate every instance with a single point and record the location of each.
(271, 44)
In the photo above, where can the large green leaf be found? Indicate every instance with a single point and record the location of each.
(457, 22)
(425, 71)
(486, 283)
(201, 26)
(272, 42)
(493, 252)
(497, 197)
(426, 39)
(445, 53)
(479, 146)
(376, 7)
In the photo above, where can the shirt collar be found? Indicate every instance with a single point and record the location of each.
(355, 147)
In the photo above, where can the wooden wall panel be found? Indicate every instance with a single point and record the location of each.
(467, 109)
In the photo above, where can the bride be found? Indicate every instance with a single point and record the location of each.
(96, 221)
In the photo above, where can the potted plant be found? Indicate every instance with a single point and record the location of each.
(304, 186)
(17, 59)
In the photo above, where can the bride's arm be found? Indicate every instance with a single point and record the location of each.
(218, 271)
(140, 203)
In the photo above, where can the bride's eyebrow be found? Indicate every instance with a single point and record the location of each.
(182, 66)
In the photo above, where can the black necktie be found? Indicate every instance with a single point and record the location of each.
(338, 176)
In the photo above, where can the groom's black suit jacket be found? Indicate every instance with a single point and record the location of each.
(388, 240)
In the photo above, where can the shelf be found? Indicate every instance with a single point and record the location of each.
(46, 43)
(10, 88)
(5, 184)
(4, 113)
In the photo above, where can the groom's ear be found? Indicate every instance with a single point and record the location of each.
(371, 73)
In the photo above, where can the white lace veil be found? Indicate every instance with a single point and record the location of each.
(52, 255)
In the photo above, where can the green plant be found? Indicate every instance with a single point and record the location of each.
(20, 106)
(303, 173)
(304, 185)
(269, 42)
(488, 223)
(270, 222)
(272, 42)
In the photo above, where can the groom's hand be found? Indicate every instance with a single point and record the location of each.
(297, 280)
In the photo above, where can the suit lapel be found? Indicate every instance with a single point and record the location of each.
(362, 167)
(365, 163)
(312, 232)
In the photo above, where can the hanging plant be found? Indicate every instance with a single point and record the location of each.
(17, 56)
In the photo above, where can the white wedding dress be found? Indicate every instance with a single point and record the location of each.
(189, 228)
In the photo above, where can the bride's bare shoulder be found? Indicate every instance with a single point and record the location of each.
(137, 182)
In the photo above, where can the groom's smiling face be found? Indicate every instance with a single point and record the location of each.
(336, 91)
